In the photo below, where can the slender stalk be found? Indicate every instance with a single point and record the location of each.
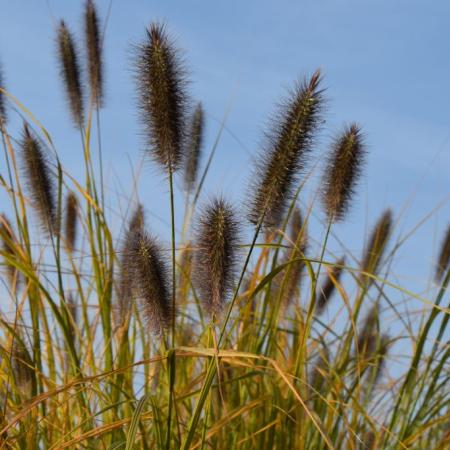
(172, 358)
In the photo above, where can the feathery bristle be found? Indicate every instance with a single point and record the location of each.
(329, 286)
(39, 180)
(94, 53)
(162, 97)
(287, 149)
(288, 280)
(215, 259)
(149, 280)
(342, 172)
(70, 72)
(135, 225)
(2, 100)
(194, 147)
(8, 241)
(376, 246)
(71, 221)
(444, 256)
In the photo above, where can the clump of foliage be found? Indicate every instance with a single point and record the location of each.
(229, 339)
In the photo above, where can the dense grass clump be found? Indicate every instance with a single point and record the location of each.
(234, 334)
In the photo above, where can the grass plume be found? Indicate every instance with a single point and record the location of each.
(70, 72)
(215, 258)
(342, 172)
(39, 179)
(285, 155)
(149, 280)
(194, 147)
(71, 220)
(376, 245)
(94, 52)
(162, 97)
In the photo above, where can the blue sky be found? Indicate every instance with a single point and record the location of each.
(386, 65)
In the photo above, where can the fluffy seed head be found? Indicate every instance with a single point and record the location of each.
(94, 52)
(149, 280)
(376, 245)
(162, 97)
(329, 286)
(71, 221)
(215, 258)
(194, 147)
(444, 256)
(40, 182)
(125, 288)
(70, 72)
(286, 152)
(2, 100)
(342, 172)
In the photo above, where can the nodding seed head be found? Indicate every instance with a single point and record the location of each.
(194, 147)
(215, 258)
(71, 221)
(285, 155)
(94, 53)
(444, 256)
(70, 72)
(149, 280)
(8, 241)
(329, 286)
(39, 181)
(376, 246)
(162, 97)
(342, 172)
(2, 101)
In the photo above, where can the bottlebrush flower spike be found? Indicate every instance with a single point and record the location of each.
(285, 155)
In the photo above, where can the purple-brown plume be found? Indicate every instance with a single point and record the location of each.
(71, 221)
(375, 248)
(162, 97)
(70, 73)
(94, 52)
(285, 155)
(40, 183)
(194, 147)
(149, 280)
(342, 172)
(216, 252)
